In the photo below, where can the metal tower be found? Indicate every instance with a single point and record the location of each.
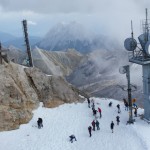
(30, 62)
(141, 55)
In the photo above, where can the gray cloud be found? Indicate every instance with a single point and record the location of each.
(110, 17)
(68, 6)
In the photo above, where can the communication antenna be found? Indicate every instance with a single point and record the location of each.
(131, 29)
(24, 22)
(146, 27)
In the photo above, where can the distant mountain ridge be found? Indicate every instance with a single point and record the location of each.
(10, 40)
(74, 36)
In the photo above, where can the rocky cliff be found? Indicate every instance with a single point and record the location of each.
(23, 88)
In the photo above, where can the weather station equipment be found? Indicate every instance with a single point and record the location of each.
(140, 54)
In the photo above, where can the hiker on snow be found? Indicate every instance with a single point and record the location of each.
(112, 126)
(118, 120)
(93, 125)
(118, 106)
(126, 104)
(93, 106)
(110, 104)
(40, 123)
(97, 125)
(90, 130)
(72, 137)
(88, 102)
(94, 113)
(100, 112)
(135, 112)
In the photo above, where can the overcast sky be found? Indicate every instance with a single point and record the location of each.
(110, 17)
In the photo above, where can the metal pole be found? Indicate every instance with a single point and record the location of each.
(129, 96)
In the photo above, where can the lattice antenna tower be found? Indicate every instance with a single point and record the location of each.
(24, 22)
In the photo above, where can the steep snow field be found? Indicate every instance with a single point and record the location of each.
(59, 123)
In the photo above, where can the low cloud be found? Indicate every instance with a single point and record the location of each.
(32, 23)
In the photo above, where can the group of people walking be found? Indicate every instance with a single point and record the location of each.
(95, 123)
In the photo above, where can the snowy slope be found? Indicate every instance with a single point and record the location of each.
(69, 119)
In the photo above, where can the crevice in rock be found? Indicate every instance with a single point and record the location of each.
(31, 82)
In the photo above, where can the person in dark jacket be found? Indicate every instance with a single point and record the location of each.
(94, 113)
(126, 104)
(100, 112)
(90, 130)
(72, 137)
(135, 112)
(97, 125)
(40, 123)
(93, 125)
(118, 120)
(88, 100)
(112, 126)
(93, 106)
(110, 104)
(118, 106)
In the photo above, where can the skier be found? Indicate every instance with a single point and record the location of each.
(112, 126)
(40, 123)
(93, 125)
(88, 102)
(118, 106)
(100, 112)
(135, 112)
(118, 120)
(90, 130)
(97, 125)
(110, 104)
(72, 137)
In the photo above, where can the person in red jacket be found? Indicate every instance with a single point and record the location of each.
(100, 112)
(93, 124)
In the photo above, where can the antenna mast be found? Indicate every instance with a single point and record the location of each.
(24, 22)
(131, 29)
(146, 27)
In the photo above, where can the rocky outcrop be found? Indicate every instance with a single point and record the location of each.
(23, 88)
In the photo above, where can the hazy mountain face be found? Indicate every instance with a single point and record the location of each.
(74, 35)
(97, 73)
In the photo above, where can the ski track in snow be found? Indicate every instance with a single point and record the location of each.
(59, 123)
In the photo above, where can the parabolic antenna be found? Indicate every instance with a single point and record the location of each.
(147, 48)
(130, 44)
(122, 70)
(142, 40)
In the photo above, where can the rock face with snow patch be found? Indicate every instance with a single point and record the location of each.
(56, 62)
(23, 88)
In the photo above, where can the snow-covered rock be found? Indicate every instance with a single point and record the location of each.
(60, 122)
(22, 89)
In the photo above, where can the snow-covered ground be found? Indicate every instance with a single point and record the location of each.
(59, 123)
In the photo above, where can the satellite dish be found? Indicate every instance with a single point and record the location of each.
(130, 44)
(122, 70)
(142, 40)
(147, 48)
